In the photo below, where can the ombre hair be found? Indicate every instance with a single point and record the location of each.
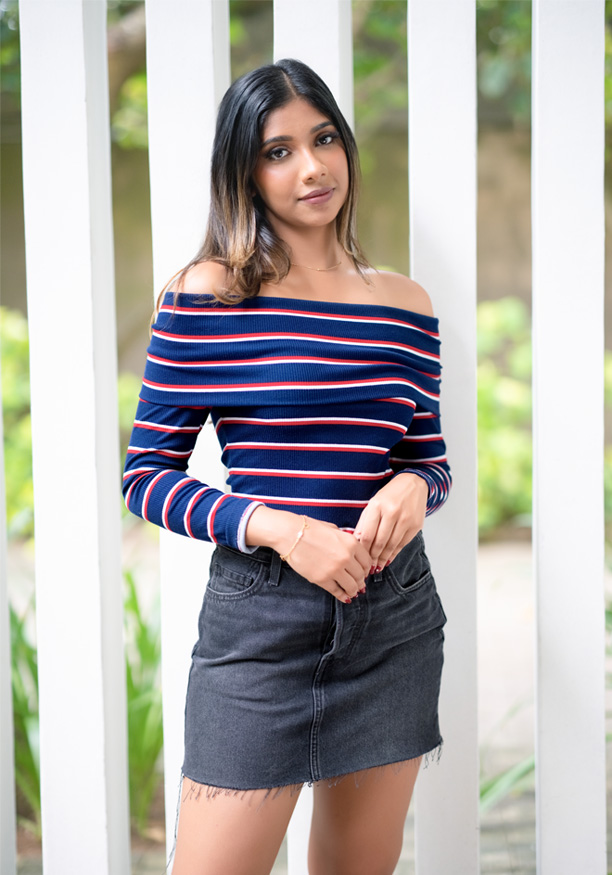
(239, 235)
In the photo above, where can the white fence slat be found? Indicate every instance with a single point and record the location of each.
(328, 49)
(69, 261)
(442, 180)
(182, 102)
(8, 859)
(568, 304)
(318, 32)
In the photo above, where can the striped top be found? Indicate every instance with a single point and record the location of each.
(316, 406)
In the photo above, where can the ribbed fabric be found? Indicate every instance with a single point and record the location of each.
(316, 406)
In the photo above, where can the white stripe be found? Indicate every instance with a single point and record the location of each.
(424, 461)
(422, 437)
(159, 451)
(327, 474)
(296, 499)
(366, 320)
(334, 420)
(324, 386)
(160, 426)
(297, 446)
(254, 363)
(257, 338)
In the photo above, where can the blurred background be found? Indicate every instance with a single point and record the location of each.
(504, 378)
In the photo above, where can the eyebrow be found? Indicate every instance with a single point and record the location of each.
(283, 138)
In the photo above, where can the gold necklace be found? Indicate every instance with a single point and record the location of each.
(318, 269)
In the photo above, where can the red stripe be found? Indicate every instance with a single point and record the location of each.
(170, 497)
(266, 335)
(190, 506)
(212, 515)
(199, 311)
(145, 504)
(318, 476)
(166, 428)
(340, 449)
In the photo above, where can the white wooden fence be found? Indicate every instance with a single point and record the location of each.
(76, 465)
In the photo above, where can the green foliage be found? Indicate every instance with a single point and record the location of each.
(24, 677)
(145, 732)
(129, 124)
(144, 707)
(504, 413)
(14, 352)
(17, 425)
(493, 790)
(503, 40)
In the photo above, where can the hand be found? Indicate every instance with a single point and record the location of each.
(392, 518)
(324, 555)
(331, 559)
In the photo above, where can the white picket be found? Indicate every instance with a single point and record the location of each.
(182, 103)
(8, 845)
(319, 33)
(69, 260)
(442, 183)
(568, 307)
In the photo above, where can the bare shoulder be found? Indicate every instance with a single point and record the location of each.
(203, 278)
(397, 290)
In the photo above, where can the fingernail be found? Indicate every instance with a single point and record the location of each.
(362, 590)
(347, 601)
(388, 563)
(372, 569)
(378, 569)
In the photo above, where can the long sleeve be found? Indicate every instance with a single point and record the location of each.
(422, 451)
(156, 485)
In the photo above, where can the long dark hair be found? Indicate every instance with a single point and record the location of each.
(238, 235)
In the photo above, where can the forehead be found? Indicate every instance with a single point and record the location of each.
(293, 118)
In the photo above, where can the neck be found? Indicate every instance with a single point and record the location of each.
(315, 248)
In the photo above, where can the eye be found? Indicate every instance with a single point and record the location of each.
(277, 153)
(328, 138)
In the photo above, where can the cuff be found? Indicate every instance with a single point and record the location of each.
(241, 534)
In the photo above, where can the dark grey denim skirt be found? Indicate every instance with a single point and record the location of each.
(288, 685)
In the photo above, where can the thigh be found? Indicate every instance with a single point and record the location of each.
(358, 824)
(233, 832)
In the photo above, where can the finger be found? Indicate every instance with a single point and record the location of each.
(349, 583)
(358, 572)
(367, 526)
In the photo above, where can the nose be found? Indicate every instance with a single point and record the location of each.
(312, 166)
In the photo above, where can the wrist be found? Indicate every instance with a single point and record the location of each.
(277, 529)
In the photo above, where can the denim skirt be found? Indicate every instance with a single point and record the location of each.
(288, 685)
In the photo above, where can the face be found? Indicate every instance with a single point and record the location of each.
(302, 172)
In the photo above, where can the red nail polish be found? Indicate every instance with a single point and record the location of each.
(388, 563)
(362, 590)
(347, 601)
(372, 569)
(378, 569)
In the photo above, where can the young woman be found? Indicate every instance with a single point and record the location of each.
(320, 637)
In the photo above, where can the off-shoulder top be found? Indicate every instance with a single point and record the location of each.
(316, 406)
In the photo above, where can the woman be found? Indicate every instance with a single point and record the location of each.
(320, 637)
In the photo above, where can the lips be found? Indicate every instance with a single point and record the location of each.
(320, 196)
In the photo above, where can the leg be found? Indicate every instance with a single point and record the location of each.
(358, 825)
(238, 833)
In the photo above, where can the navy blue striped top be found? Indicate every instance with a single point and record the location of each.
(316, 406)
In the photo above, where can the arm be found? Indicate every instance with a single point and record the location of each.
(156, 485)
(420, 485)
(422, 451)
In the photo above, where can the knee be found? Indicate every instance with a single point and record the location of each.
(349, 860)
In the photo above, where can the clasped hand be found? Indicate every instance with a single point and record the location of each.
(339, 562)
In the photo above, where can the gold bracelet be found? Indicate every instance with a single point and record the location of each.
(298, 538)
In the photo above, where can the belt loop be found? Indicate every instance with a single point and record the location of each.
(276, 568)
